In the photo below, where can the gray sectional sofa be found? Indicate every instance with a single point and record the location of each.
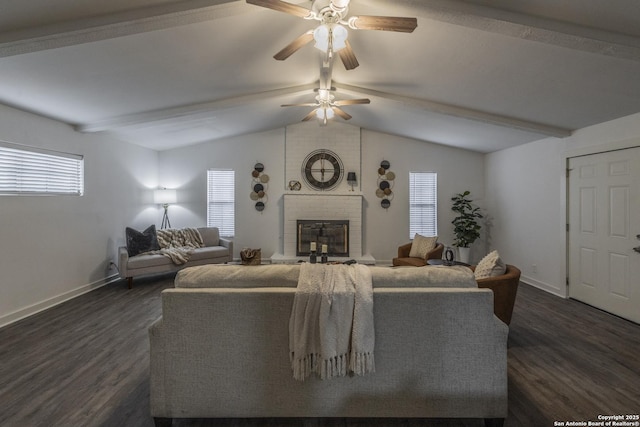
(216, 250)
(220, 349)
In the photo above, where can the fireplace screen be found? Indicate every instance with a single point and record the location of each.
(334, 234)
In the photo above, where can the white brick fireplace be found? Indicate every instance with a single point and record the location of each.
(323, 207)
(340, 203)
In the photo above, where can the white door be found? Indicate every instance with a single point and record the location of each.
(604, 224)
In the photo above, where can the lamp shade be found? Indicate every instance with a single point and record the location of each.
(321, 36)
(325, 113)
(339, 37)
(164, 196)
(351, 177)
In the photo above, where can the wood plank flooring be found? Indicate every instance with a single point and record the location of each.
(85, 363)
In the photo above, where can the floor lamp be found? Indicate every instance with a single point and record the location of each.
(165, 197)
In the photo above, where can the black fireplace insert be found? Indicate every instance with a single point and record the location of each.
(333, 233)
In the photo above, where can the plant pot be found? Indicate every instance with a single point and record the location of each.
(464, 254)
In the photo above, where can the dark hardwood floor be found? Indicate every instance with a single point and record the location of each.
(85, 363)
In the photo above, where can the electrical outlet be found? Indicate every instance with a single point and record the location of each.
(534, 269)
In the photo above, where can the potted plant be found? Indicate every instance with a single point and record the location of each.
(466, 227)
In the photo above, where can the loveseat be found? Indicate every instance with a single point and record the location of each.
(221, 349)
(216, 250)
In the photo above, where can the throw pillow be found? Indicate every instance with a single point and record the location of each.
(141, 241)
(490, 266)
(421, 246)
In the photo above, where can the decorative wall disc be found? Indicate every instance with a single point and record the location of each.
(259, 186)
(385, 184)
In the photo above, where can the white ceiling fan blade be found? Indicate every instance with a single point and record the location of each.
(384, 23)
(282, 6)
(347, 56)
(293, 47)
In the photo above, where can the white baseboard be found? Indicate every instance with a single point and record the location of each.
(32, 309)
(544, 286)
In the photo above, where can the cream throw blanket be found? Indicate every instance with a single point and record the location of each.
(178, 243)
(331, 325)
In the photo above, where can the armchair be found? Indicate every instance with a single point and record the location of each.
(505, 288)
(403, 258)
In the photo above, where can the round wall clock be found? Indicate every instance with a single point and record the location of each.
(322, 170)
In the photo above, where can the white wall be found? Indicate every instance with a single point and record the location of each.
(185, 169)
(524, 195)
(526, 190)
(56, 247)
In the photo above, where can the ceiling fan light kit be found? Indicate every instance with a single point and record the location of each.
(331, 37)
(325, 113)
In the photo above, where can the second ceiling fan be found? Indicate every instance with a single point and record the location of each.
(327, 106)
(331, 35)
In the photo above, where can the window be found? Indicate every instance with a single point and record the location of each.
(221, 201)
(423, 203)
(33, 171)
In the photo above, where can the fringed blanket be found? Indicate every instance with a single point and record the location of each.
(178, 243)
(331, 328)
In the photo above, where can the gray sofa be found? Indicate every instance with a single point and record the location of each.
(220, 349)
(217, 250)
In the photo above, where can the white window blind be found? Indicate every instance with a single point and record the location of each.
(33, 171)
(423, 203)
(221, 201)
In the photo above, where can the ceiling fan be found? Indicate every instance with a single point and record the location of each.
(331, 35)
(327, 107)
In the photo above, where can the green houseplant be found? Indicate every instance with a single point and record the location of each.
(465, 226)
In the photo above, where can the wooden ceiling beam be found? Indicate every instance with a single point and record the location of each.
(520, 25)
(192, 111)
(115, 25)
(460, 112)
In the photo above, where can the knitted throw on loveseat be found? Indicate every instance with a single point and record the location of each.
(178, 243)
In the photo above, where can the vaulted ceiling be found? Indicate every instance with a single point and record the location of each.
(479, 74)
